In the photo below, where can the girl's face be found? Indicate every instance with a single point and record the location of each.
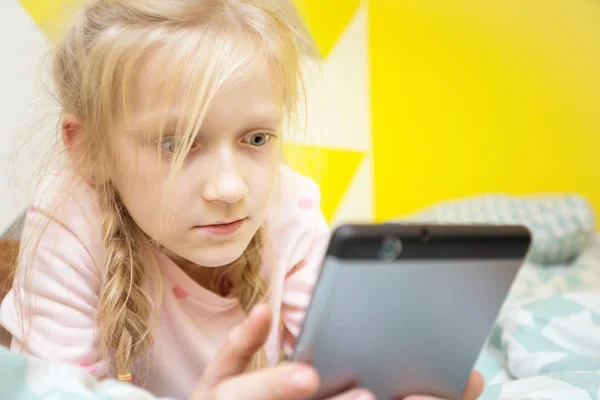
(220, 197)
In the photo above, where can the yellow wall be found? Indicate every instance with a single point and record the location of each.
(472, 96)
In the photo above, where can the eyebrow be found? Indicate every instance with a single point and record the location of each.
(261, 116)
(272, 120)
(150, 118)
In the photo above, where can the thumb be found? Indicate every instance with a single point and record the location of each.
(284, 382)
(422, 398)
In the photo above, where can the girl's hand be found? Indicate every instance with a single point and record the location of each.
(224, 377)
(473, 389)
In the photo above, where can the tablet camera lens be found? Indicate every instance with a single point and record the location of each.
(390, 249)
(425, 236)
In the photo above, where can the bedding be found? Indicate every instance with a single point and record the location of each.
(546, 342)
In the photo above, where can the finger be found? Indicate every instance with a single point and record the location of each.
(242, 343)
(285, 382)
(354, 394)
(474, 387)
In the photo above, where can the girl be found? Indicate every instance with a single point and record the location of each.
(174, 216)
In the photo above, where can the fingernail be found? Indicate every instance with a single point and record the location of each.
(250, 316)
(364, 396)
(302, 379)
(257, 310)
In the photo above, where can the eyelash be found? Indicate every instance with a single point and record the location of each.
(173, 144)
(268, 137)
(168, 144)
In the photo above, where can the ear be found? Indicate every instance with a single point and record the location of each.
(73, 136)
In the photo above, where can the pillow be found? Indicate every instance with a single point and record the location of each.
(561, 225)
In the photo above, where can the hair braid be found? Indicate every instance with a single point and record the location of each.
(124, 307)
(243, 279)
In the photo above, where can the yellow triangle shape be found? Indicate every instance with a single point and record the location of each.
(326, 20)
(332, 169)
(51, 16)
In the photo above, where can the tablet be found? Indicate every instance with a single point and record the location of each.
(406, 309)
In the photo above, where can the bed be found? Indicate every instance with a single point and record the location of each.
(546, 342)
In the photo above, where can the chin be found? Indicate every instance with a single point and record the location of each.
(218, 255)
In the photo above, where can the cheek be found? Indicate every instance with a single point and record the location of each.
(137, 174)
(140, 182)
(260, 176)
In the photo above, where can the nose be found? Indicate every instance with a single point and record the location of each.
(226, 185)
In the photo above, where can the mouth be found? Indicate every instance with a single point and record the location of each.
(223, 229)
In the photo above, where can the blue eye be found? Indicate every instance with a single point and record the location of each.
(257, 139)
(170, 145)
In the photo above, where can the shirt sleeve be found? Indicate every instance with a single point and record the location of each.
(29, 378)
(51, 309)
(310, 238)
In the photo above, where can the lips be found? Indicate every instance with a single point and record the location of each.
(224, 229)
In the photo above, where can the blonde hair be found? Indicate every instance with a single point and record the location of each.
(94, 68)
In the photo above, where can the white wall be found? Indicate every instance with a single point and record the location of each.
(23, 133)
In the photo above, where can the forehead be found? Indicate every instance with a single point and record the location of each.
(257, 100)
(171, 84)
